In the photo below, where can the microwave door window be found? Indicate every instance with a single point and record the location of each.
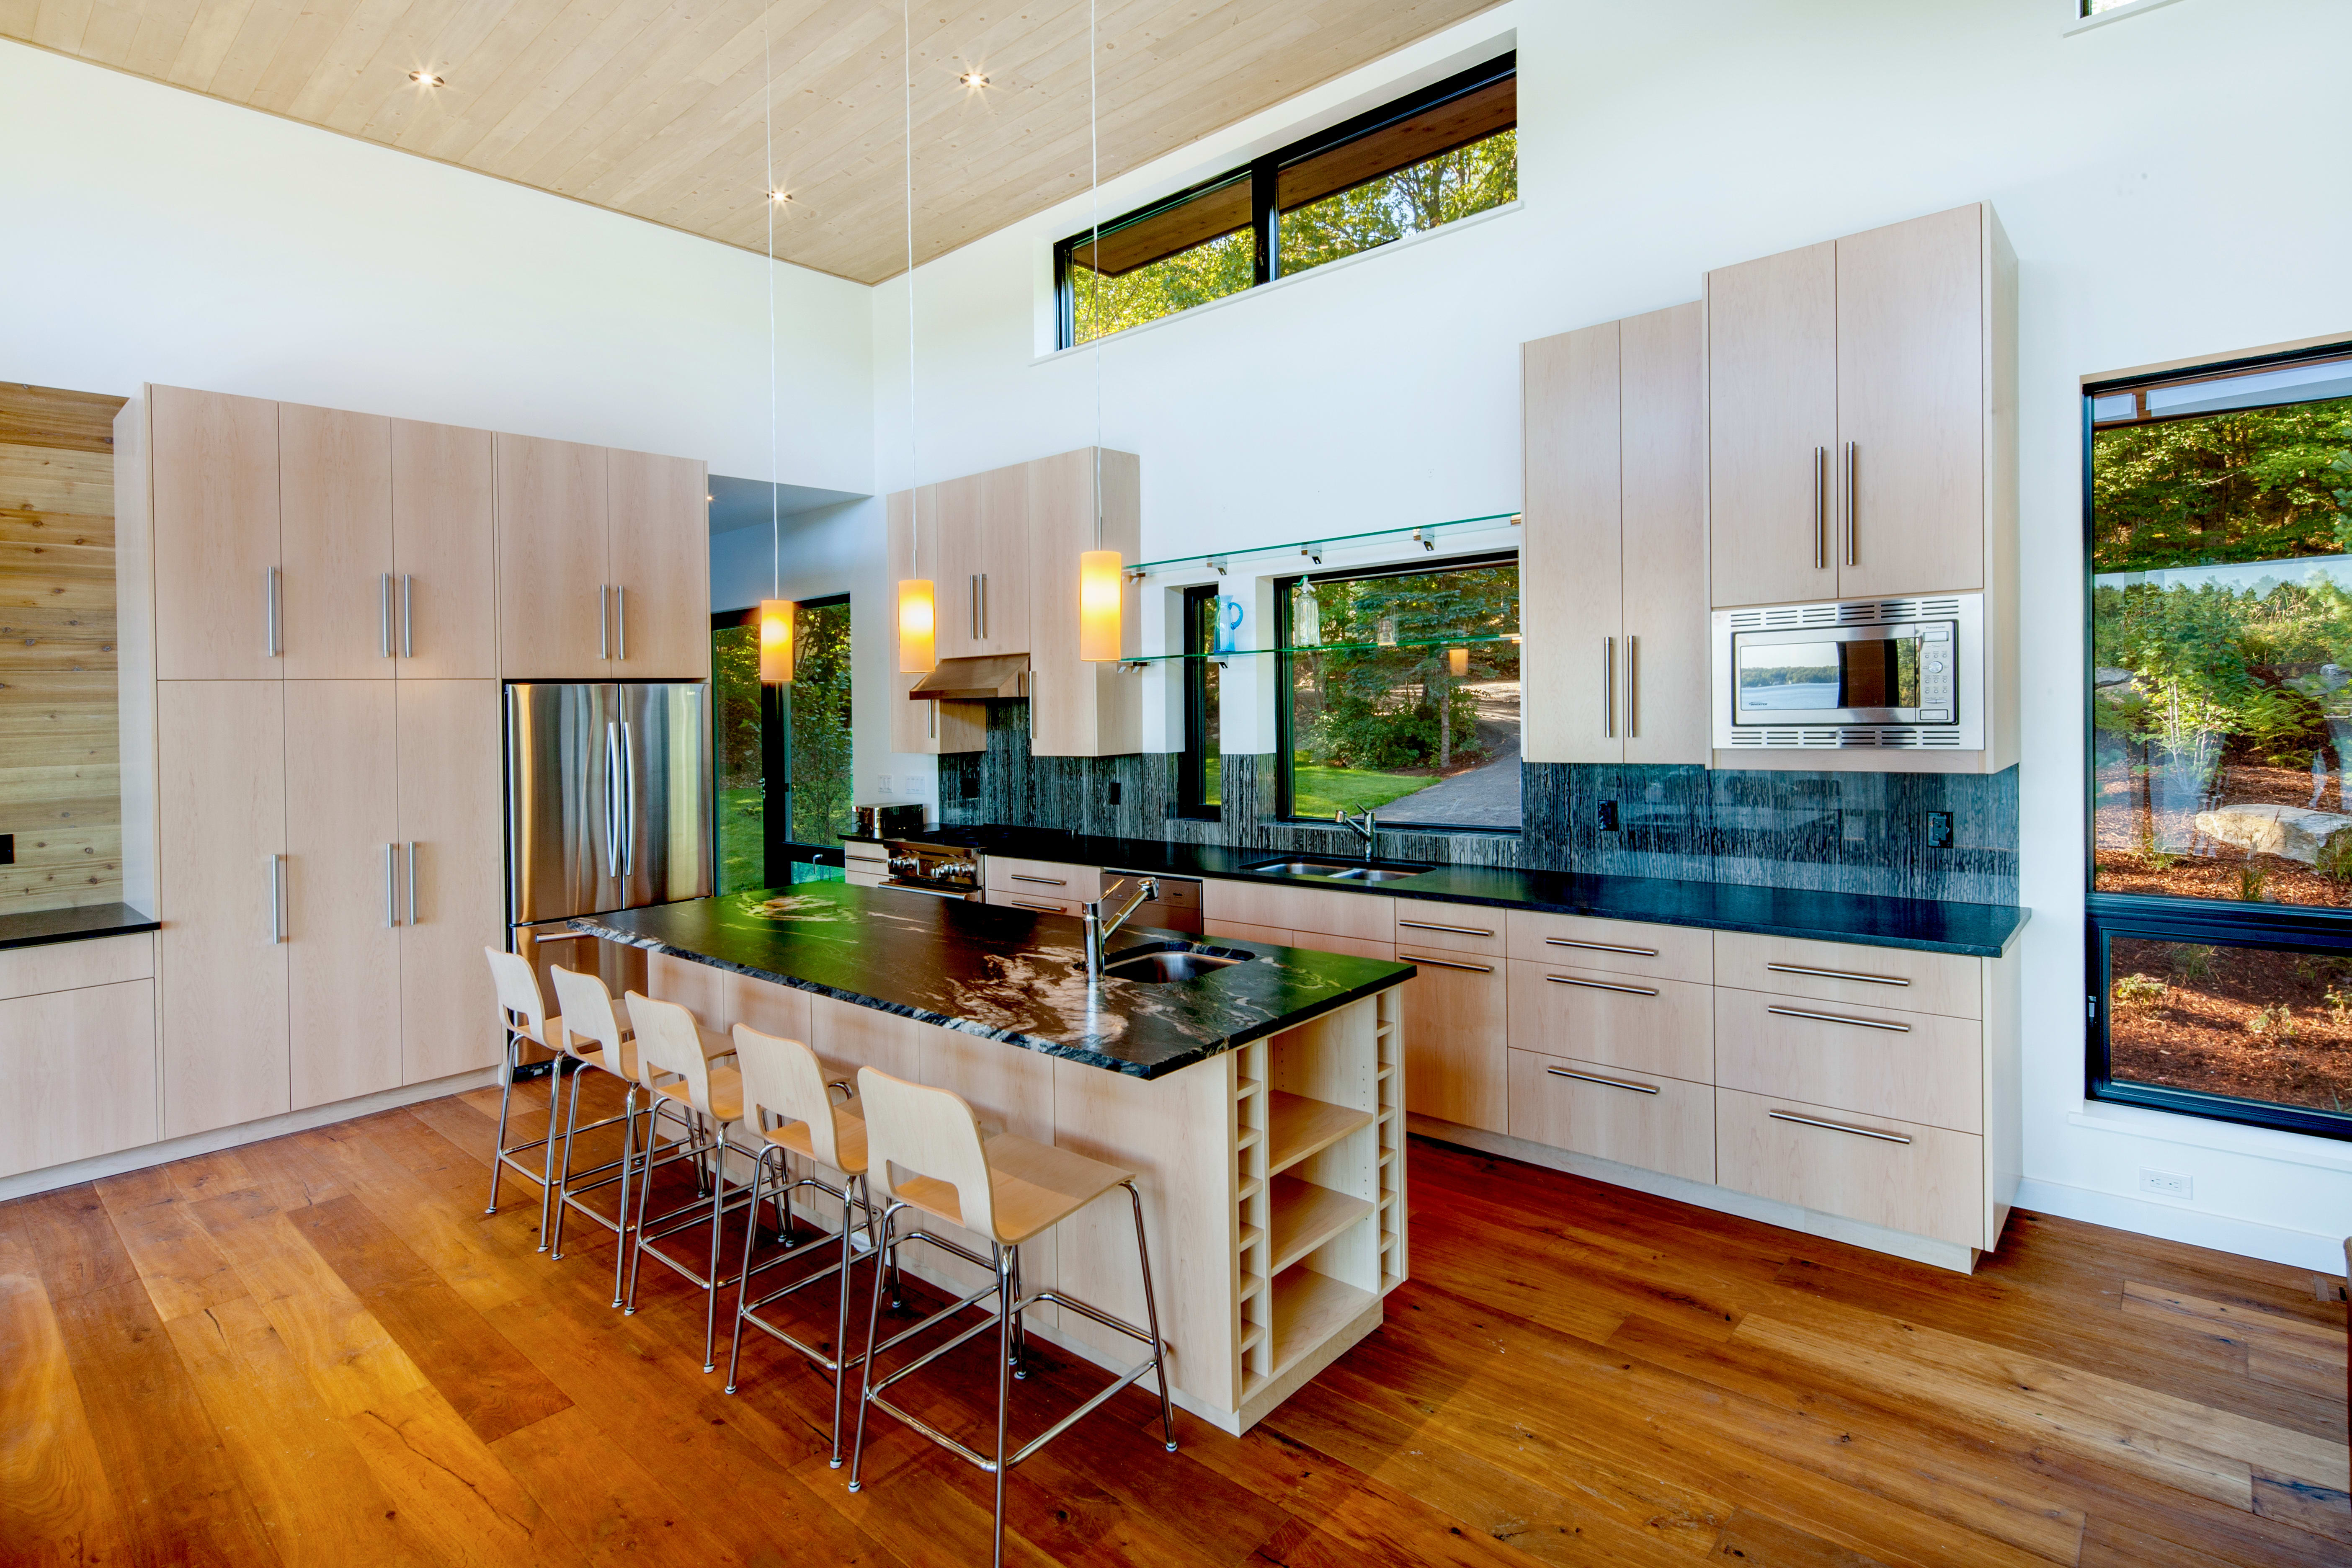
(1789, 678)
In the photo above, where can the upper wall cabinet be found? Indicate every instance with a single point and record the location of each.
(1612, 574)
(982, 571)
(1852, 436)
(1079, 708)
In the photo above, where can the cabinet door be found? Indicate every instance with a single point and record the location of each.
(1457, 1047)
(1772, 365)
(221, 961)
(661, 567)
(450, 823)
(214, 514)
(1570, 563)
(445, 549)
(1663, 425)
(342, 889)
(1911, 407)
(554, 585)
(334, 489)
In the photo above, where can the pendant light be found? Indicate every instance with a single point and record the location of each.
(775, 612)
(1101, 577)
(918, 600)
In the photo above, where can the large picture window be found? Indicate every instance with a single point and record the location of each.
(1424, 160)
(782, 757)
(2220, 526)
(1399, 693)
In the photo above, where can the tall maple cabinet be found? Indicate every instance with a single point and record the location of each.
(316, 609)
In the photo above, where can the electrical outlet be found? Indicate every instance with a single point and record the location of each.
(2167, 1184)
(1609, 817)
(1939, 830)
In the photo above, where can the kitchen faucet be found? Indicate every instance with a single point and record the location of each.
(1100, 929)
(1366, 829)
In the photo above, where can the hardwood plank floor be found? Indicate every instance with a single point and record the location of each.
(319, 1349)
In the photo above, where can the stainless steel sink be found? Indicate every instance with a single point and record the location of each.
(1175, 960)
(1342, 870)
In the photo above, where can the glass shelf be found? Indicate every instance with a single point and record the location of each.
(1312, 549)
(1324, 648)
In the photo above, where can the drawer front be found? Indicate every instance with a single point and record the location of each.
(1367, 917)
(1449, 928)
(1455, 1046)
(1919, 1067)
(1621, 947)
(1043, 878)
(1648, 1119)
(1926, 1180)
(1625, 1020)
(1897, 977)
(70, 966)
(1038, 903)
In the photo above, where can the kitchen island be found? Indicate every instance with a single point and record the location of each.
(1259, 1105)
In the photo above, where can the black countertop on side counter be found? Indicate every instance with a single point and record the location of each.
(1001, 972)
(40, 927)
(1931, 925)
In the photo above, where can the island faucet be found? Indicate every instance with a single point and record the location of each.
(1366, 828)
(1100, 929)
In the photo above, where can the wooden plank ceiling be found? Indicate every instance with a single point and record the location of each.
(654, 108)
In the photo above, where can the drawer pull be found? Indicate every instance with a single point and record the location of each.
(1457, 931)
(1601, 947)
(1447, 962)
(1837, 1127)
(1835, 1018)
(1602, 985)
(1047, 909)
(1610, 1082)
(1837, 974)
(1041, 881)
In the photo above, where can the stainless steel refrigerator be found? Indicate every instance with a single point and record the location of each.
(608, 807)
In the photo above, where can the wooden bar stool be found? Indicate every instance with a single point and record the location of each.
(680, 1076)
(522, 1013)
(924, 1147)
(787, 1111)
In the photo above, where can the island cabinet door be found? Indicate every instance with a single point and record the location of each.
(1456, 1039)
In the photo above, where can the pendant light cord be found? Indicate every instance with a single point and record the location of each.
(775, 500)
(907, 82)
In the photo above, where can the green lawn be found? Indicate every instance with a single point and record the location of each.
(1320, 790)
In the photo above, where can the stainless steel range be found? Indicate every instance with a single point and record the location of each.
(942, 870)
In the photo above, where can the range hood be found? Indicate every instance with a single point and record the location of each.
(985, 680)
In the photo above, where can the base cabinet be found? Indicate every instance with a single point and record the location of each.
(1647, 1120)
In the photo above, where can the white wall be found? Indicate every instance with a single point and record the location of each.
(2168, 181)
(155, 235)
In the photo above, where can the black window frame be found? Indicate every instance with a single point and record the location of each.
(1263, 174)
(2293, 928)
(779, 850)
(1286, 750)
(1193, 766)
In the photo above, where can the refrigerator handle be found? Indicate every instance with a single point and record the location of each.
(612, 799)
(629, 802)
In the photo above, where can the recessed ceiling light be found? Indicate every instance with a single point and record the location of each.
(425, 78)
(973, 78)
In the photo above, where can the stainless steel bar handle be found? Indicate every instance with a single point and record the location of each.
(1041, 881)
(1610, 1082)
(408, 616)
(621, 616)
(1837, 974)
(1602, 985)
(384, 613)
(1633, 685)
(603, 621)
(1447, 962)
(1852, 539)
(412, 881)
(1609, 687)
(1820, 508)
(1458, 930)
(270, 612)
(628, 800)
(390, 874)
(1837, 1018)
(612, 799)
(1837, 1127)
(1600, 946)
(277, 899)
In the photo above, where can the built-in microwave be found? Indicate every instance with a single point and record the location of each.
(1906, 673)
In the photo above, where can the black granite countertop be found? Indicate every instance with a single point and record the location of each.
(1977, 930)
(998, 972)
(41, 927)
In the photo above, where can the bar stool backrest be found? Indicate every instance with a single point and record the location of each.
(668, 1042)
(519, 1000)
(782, 1079)
(916, 1133)
(587, 1013)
